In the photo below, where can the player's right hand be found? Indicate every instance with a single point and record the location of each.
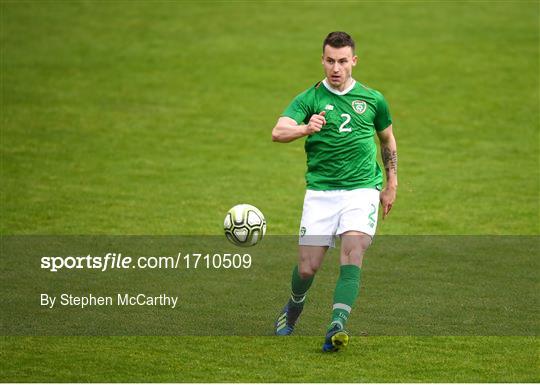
(316, 122)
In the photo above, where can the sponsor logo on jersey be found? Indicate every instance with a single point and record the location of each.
(329, 107)
(359, 106)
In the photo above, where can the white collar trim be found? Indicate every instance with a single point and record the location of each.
(334, 91)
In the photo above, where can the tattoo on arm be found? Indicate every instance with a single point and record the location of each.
(389, 158)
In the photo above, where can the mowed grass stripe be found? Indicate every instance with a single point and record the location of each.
(156, 118)
(269, 359)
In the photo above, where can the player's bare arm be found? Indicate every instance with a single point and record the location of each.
(389, 158)
(287, 130)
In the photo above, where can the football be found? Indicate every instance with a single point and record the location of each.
(244, 225)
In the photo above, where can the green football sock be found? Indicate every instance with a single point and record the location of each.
(347, 288)
(299, 288)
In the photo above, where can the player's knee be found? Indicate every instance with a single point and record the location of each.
(357, 253)
(306, 271)
(357, 250)
(353, 256)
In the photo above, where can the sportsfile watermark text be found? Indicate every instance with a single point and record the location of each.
(117, 261)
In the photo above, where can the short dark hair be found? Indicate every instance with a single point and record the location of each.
(338, 39)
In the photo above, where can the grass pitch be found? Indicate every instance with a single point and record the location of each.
(155, 118)
(266, 359)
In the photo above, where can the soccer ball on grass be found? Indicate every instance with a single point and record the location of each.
(244, 225)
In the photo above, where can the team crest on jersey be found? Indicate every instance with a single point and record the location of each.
(359, 106)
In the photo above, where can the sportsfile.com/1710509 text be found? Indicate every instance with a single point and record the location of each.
(111, 261)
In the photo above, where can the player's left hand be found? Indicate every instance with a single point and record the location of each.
(387, 197)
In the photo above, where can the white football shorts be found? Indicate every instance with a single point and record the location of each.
(328, 214)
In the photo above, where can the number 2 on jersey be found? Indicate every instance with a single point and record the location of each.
(342, 128)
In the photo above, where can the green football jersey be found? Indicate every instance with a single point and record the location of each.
(343, 155)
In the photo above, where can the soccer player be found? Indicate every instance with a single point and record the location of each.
(339, 117)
